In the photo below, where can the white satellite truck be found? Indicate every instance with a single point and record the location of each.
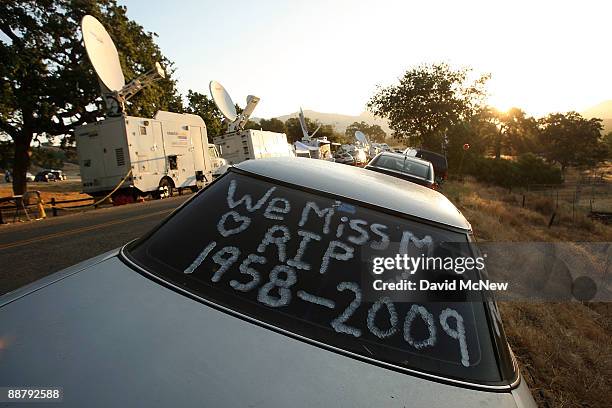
(132, 156)
(238, 144)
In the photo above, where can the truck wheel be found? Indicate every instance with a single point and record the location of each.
(166, 188)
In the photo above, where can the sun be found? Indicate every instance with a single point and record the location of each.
(500, 104)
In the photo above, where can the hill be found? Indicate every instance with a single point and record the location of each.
(339, 121)
(601, 111)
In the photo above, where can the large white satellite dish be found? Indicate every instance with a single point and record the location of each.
(227, 107)
(102, 53)
(223, 101)
(361, 137)
(104, 57)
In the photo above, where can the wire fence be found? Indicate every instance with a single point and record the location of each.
(592, 196)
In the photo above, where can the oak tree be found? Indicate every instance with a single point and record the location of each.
(47, 85)
(428, 100)
(572, 140)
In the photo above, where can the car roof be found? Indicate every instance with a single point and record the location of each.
(362, 185)
(407, 158)
(430, 152)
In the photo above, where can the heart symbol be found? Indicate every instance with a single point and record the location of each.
(244, 223)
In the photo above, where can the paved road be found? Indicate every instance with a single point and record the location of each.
(32, 250)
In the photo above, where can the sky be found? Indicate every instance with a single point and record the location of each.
(330, 55)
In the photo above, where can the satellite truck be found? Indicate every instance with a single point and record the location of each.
(238, 144)
(128, 156)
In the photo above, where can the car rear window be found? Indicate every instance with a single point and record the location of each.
(295, 259)
(403, 165)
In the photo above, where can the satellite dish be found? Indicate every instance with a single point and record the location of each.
(304, 127)
(159, 70)
(102, 53)
(303, 124)
(361, 137)
(223, 101)
(228, 108)
(104, 57)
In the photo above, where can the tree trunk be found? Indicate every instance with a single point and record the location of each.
(22, 159)
(498, 145)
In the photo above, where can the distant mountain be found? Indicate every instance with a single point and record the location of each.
(601, 111)
(341, 122)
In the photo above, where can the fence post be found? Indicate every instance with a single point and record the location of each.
(1, 219)
(552, 219)
(53, 208)
(523, 200)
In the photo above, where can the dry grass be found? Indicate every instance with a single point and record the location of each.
(564, 349)
(496, 215)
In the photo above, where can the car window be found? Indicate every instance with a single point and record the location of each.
(403, 165)
(296, 260)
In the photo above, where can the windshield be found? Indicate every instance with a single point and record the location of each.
(297, 260)
(212, 152)
(403, 165)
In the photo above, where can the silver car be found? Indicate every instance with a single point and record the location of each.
(408, 168)
(253, 293)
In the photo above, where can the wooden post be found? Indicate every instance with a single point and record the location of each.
(523, 200)
(552, 219)
(53, 208)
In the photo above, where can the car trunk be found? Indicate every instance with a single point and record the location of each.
(112, 337)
